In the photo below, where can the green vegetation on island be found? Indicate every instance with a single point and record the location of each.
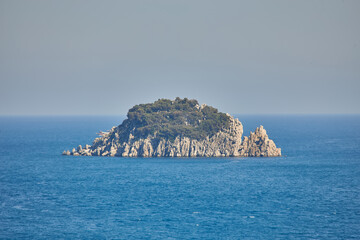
(168, 119)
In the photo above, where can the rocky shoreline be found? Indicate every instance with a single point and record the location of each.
(225, 143)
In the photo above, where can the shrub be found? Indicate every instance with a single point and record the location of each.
(169, 119)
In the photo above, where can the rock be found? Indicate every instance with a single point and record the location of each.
(258, 144)
(227, 142)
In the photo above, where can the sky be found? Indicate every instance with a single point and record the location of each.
(83, 57)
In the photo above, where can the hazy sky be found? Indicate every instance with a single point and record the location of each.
(102, 57)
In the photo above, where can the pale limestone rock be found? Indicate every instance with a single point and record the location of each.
(106, 153)
(225, 143)
(258, 144)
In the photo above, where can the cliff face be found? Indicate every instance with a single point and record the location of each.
(225, 143)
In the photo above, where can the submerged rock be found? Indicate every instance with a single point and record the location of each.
(186, 138)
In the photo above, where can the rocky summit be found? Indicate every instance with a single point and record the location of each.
(179, 128)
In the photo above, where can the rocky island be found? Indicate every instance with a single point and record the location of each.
(179, 128)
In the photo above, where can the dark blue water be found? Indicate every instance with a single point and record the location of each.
(311, 193)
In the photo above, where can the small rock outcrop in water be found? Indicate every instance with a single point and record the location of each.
(179, 128)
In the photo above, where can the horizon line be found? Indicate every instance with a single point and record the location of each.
(124, 115)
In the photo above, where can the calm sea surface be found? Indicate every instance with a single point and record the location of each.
(313, 192)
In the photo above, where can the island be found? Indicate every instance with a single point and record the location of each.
(179, 128)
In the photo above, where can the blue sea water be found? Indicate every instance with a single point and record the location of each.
(313, 192)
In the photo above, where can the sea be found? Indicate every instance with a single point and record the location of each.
(311, 192)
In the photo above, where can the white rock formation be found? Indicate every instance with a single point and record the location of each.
(225, 143)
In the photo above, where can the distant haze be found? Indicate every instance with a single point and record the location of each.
(249, 57)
